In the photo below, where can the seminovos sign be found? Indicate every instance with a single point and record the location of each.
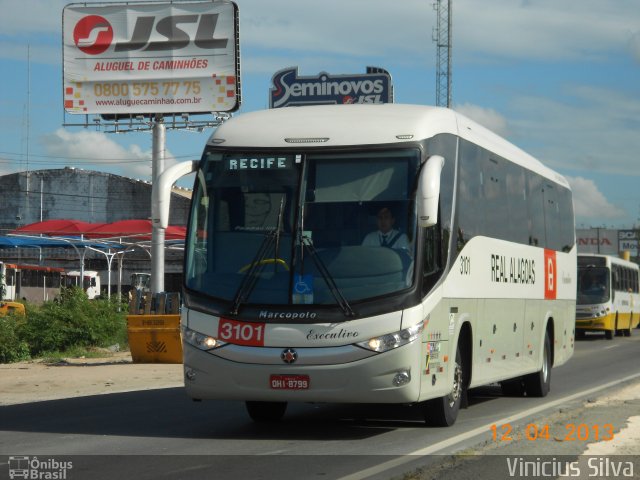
(290, 89)
(151, 58)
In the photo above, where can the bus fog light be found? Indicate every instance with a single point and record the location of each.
(189, 374)
(401, 378)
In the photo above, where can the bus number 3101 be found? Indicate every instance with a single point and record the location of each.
(465, 265)
(241, 333)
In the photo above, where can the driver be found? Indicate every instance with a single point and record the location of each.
(386, 235)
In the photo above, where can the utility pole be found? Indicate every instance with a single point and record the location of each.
(442, 37)
(157, 233)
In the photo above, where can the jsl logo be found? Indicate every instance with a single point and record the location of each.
(94, 34)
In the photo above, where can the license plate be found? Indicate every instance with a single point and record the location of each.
(289, 382)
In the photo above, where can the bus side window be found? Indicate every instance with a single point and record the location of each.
(433, 256)
(431, 251)
(470, 210)
(535, 204)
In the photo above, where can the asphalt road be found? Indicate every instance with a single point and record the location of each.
(163, 434)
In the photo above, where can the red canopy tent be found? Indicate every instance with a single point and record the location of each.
(141, 229)
(58, 228)
(101, 234)
(175, 232)
(138, 229)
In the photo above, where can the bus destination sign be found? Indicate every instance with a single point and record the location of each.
(259, 163)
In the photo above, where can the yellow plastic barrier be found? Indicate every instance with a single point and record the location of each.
(154, 338)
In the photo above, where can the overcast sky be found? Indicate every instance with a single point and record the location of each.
(559, 78)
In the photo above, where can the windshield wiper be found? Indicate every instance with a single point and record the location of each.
(251, 276)
(331, 283)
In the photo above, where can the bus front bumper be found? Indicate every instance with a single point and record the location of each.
(390, 377)
(596, 323)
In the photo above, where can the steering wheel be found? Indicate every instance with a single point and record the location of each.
(266, 261)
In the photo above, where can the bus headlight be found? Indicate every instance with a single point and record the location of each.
(393, 340)
(600, 311)
(200, 340)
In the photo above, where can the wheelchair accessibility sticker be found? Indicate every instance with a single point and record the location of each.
(302, 289)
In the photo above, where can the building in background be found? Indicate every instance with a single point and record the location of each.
(72, 193)
(88, 196)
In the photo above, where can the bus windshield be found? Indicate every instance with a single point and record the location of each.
(321, 228)
(593, 285)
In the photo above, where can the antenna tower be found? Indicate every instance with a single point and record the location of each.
(442, 37)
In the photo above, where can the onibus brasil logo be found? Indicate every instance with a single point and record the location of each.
(38, 469)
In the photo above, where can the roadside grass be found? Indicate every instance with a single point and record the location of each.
(70, 326)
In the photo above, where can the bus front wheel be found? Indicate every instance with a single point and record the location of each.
(443, 411)
(266, 411)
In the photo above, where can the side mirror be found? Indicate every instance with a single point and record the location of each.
(161, 191)
(429, 191)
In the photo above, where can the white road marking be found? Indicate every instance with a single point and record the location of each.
(437, 447)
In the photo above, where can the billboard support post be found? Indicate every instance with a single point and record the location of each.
(132, 67)
(157, 233)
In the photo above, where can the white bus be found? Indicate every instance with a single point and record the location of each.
(608, 298)
(90, 282)
(284, 303)
(31, 283)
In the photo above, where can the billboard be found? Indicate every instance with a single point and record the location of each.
(151, 58)
(628, 241)
(597, 240)
(324, 89)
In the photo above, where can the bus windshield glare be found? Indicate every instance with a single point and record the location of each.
(284, 228)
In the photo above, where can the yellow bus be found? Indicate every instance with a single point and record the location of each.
(608, 298)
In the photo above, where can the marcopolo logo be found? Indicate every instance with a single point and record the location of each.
(290, 89)
(94, 34)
